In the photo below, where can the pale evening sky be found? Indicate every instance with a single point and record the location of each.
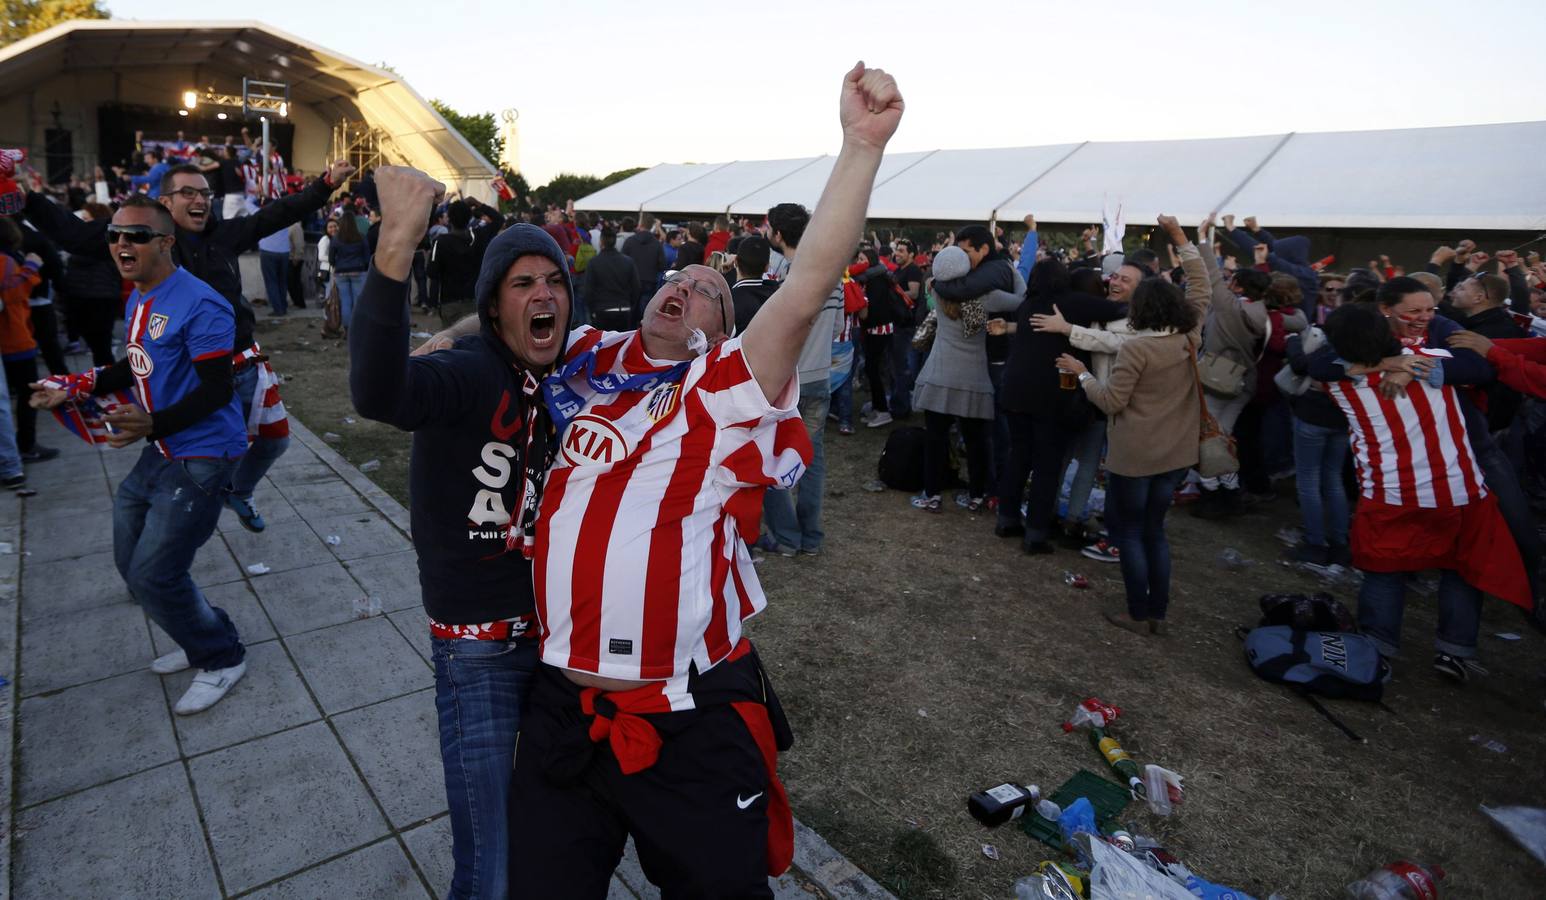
(606, 85)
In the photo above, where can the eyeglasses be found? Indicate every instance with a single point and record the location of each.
(706, 291)
(136, 234)
(188, 193)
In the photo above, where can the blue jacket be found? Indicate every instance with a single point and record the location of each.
(1290, 255)
(152, 178)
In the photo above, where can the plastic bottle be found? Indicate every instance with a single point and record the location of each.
(1400, 880)
(996, 805)
(1092, 712)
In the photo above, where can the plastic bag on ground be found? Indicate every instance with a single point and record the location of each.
(1078, 818)
(1119, 876)
(1162, 789)
(1525, 824)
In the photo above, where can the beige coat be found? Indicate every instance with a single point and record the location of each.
(1151, 392)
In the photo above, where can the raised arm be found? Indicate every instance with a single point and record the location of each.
(384, 383)
(870, 110)
(243, 233)
(1028, 248)
(58, 225)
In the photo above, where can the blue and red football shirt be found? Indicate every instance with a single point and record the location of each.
(182, 321)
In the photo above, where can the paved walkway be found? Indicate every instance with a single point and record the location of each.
(318, 776)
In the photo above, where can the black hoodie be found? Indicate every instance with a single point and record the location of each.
(467, 408)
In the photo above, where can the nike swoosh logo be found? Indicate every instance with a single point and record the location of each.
(748, 801)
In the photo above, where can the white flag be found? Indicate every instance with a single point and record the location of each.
(1112, 230)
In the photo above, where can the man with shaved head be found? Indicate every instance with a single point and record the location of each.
(651, 715)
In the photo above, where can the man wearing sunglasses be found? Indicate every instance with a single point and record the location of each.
(210, 250)
(178, 347)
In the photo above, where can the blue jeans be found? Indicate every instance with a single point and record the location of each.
(1135, 516)
(349, 286)
(1318, 457)
(1084, 449)
(262, 452)
(276, 274)
(10, 455)
(797, 523)
(165, 509)
(480, 692)
(843, 394)
(1382, 600)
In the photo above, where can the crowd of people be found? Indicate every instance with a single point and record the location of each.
(631, 416)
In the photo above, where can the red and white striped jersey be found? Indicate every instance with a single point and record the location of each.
(1413, 450)
(642, 568)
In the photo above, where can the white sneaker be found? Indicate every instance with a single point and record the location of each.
(881, 419)
(175, 661)
(207, 688)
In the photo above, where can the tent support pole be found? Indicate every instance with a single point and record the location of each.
(1218, 207)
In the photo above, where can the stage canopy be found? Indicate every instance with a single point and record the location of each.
(85, 63)
(1464, 177)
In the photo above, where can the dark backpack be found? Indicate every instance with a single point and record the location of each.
(1329, 663)
(901, 462)
(1311, 644)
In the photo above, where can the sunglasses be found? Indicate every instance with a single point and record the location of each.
(137, 234)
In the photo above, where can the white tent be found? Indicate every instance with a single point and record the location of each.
(1464, 177)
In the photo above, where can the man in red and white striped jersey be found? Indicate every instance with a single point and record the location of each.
(650, 715)
(1425, 502)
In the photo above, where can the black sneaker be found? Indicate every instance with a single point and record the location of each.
(1457, 668)
(1340, 555)
(15, 482)
(1037, 548)
(39, 453)
(1005, 530)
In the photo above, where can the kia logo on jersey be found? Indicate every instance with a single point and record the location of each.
(139, 361)
(592, 440)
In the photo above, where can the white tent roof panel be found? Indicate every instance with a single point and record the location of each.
(1179, 178)
(1477, 176)
(631, 193)
(1365, 179)
(715, 191)
(804, 185)
(963, 184)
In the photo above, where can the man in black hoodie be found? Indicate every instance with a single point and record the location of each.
(481, 442)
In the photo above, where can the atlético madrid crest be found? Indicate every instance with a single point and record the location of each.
(662, 402)
(157, 326)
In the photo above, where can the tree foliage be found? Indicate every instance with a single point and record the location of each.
(567, 186)
(24, 18)
(478, 128)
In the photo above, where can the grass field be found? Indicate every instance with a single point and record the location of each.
(921, 659)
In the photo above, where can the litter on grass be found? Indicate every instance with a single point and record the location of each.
(1494, 746)
(370, 465)
(1525, 824)
(331, 438)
